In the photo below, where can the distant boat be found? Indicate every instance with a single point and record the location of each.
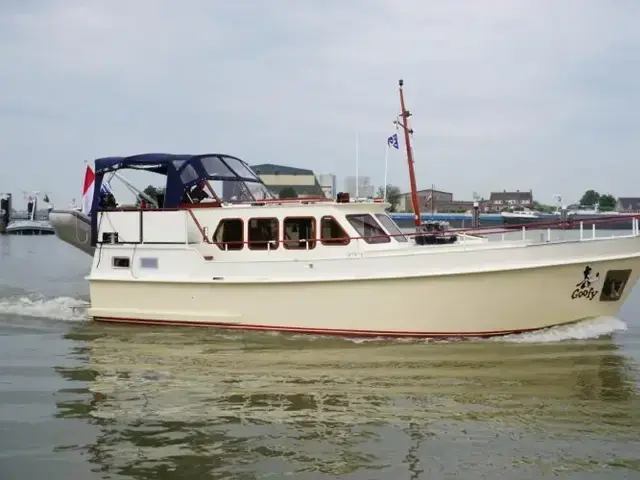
(519, 217)
(589, 212)
(30, 226)
(588, 217)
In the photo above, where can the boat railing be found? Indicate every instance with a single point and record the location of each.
(557, 225)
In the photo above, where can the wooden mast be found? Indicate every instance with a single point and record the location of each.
(407, 142)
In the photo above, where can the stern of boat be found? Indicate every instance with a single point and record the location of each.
(72, 227)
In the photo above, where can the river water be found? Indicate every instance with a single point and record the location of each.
(80, 400)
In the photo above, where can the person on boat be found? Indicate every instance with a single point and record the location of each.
(195, 194)
(160, 199)
(107, 201)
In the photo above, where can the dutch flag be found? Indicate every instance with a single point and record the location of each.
(87, 190)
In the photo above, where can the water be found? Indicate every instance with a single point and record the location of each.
(81, 401)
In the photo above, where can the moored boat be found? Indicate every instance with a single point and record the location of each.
(520, 217)
(320, 266)
(30, 225)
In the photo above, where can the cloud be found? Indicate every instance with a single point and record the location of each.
(505, 94)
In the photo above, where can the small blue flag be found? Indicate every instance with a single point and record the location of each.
(392, 141)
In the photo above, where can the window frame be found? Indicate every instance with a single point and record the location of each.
(335, 241)
(267, 248)
(118, 259)
(370, 239)
(398, 236)
(224, 246)
(309, 242)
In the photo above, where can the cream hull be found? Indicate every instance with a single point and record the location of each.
(501, 299)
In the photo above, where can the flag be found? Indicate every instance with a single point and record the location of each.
(105, 188)
(46, 198)
(87, 190)
(392, 141)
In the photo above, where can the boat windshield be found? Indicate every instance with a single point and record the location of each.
(368, 228)
(234, 180)
(241, 169)
(391, 227)
(215, 167)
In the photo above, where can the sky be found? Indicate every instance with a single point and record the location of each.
(505, 94)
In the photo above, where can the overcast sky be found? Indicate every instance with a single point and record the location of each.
(540, 95)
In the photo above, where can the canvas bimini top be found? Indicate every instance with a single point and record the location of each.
(183, 172)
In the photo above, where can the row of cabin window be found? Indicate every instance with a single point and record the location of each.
(299, 233)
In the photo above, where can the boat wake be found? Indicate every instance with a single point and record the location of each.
(584, 330)
(37, 306)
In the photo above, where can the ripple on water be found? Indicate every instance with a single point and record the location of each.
(196, 401)
(289, 403)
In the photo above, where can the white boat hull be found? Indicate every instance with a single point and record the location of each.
(29, 227)
(489, 292)
(72, 227)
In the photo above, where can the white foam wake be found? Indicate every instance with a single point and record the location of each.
(59, 308)
(584, 330)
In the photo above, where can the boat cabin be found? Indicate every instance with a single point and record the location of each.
(249, 218)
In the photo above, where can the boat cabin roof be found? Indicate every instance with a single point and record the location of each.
(183, 172)
(218, 165)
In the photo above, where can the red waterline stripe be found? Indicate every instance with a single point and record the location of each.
(313, 331)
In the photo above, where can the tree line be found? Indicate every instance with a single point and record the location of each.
(604, 202)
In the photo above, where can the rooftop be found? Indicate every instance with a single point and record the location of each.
(310, 190)
(630, 203)
(272, 169)
(517, 195)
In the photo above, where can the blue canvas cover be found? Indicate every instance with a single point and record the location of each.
(181, 171)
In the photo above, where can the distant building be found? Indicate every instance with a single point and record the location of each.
(428, 200)
(504, 200)
(364, 187)
(278, 177)
(327, 182)
(628, 205)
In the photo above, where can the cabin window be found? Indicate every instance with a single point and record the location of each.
(332, 233)
(299, 233)
(229, 234)
(120, 262)
(368, 228)
(263, 234)
(388, 223)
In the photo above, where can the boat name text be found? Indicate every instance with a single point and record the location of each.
(585, 288)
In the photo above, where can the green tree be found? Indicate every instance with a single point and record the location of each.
(288, 192)
(393, 196)
(541, 207)
(590, 197)
(607, 203)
